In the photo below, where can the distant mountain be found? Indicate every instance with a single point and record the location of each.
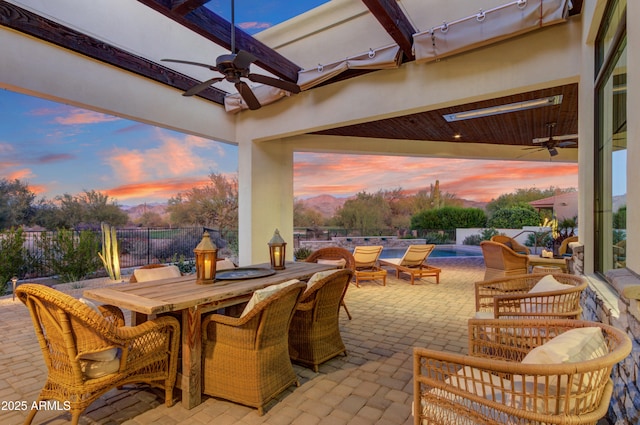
(135, 212)
(326, 205)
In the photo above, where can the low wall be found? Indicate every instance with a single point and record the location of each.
(616, 303)
(349, 243)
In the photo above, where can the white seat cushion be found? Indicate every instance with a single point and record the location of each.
(102, 355)
(548, 284)
(264, 293)
(341, 263)
(100, 363)
(146, 275)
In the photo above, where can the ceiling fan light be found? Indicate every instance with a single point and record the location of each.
(553, 151)
(503, 109)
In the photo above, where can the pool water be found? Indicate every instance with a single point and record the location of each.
(444, 251)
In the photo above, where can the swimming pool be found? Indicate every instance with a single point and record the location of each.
(440, 251)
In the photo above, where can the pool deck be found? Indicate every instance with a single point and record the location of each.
(371, 385)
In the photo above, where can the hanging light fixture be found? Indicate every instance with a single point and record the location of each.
(277, 247)
(205, 260)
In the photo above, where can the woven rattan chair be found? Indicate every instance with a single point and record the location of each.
(69, 331)
(367, 266)
(563, 249)
(246, 359)
(502, 261)
(511, 243)
(493, 385)
(314, 335)
(331, 254)
(414, 263)
(510, 297)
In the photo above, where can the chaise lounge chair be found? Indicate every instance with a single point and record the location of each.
(367, 267)
(413, 263)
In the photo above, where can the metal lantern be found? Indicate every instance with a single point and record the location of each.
(277, 247)
(205, 260)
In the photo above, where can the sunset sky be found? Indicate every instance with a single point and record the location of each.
(59, 149)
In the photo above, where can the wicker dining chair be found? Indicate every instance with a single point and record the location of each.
(340, 257)
(314, 334)
(513, 375)
(556, 296)
(246, 359)
(89, 351)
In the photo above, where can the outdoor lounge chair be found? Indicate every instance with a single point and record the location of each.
(502, 261)
(520, 372)
(88, 350)
(413, 263)
(554, 296)
(314, 334)
(366, 264)
(337, 256)
(246, 359)
(511, 243)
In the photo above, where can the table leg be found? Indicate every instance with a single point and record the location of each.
(191, 357)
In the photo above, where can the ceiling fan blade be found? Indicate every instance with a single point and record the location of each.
(565, 144)
(247, 95)
(274, 82)
(539, 140)
(566, 137)
(202, 86)
(243, 59)
(212, 67)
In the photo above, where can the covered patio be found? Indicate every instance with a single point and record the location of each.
(371, 385)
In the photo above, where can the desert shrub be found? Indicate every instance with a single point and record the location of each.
(13, 256)
(437, 238)
(449, 218)
(301, 253)
(69, 254)
(541, 239)
(484, 235)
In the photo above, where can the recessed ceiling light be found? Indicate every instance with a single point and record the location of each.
(503, 109)
(457, 136)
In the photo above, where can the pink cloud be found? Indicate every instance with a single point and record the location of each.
(254, 25)
(45, 159)
(81, 116)
(157, 189)
(479, 180)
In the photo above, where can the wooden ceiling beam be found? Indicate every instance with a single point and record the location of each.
(24, 21)
(395, 22)
(182, 7)
(217, 29)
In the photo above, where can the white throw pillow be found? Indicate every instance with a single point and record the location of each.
(264, 293)
(547, 284)
(341, 263)
(573, 346)
(103, 355)
(146, 275)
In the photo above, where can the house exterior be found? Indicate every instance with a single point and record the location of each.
(561, 206)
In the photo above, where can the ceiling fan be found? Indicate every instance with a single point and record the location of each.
(233, 67)
(552, 142)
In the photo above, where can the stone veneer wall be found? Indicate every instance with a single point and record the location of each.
(349, 243)
(616, 303)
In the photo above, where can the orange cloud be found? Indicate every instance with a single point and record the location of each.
(158, 189)
(23, 174)
(81, 116)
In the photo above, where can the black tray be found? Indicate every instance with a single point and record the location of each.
(244, 273)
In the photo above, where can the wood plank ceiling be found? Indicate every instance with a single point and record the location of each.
(517, 128)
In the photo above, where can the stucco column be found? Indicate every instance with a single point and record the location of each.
(265, 197)
(633, 133)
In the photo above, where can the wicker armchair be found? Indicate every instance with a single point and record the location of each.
(246, 359)
(314, 334)
(70, 332)
(502, 261)
(511, 243)
(510, 297)
(334, 253)
(500, 382)
(563, 249)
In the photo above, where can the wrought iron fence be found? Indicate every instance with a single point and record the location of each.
(139, 246)
(436, 236)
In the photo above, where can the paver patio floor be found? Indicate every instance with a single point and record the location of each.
(371, 385)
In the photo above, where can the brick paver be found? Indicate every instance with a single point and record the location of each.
(371, 385)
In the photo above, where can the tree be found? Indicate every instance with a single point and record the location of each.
(522, 197)
(306, 217)
(15, 203)
(90, 209)
(367, 213)
(214, 205)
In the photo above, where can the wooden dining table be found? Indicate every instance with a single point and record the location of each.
(191, 300)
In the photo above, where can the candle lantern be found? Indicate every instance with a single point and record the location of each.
(205, 260)
(277, 247)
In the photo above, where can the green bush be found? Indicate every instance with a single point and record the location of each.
(301, 253)
(485, 235)
(449, 218)
(70, 255)
(13, 256)
(514, 218)
(541, 239)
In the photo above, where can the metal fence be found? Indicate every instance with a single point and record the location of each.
(436, 236)
(139, 246)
